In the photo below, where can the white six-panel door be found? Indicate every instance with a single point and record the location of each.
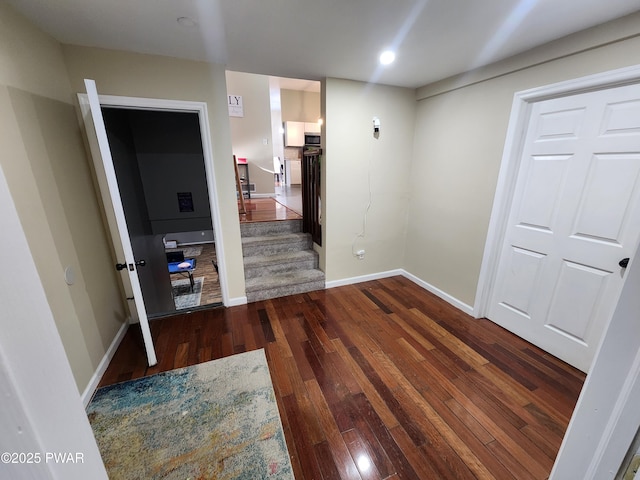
(575, 214)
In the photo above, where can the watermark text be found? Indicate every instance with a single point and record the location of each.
(41, 457)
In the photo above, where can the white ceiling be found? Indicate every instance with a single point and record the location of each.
(313, 39)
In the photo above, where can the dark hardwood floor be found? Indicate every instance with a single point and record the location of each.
(384, 380)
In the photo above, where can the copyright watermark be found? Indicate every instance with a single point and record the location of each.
(41, 457)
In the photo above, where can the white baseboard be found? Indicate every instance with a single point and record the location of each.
(234, 302)
(436, 291)
(102, 366)
(391, 273)
(363, 278)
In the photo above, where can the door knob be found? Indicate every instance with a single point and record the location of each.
(121, 266)
(141, 263)
(624, 262)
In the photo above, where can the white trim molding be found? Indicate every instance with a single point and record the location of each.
(236, 301)
(363, 278)
(91, 387)
(200, 108)
(460, 305)
(510, 164)
(606, 416)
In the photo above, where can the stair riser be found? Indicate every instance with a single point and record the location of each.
(274, 248)
(264, 271)
(284, 291)
(259, 229)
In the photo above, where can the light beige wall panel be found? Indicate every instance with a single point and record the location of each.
(353, 157)
(459, 141)
(90, 311)
(151, 76)
(292, 105)
(592, 38)
(311, 106)
(300, 106)
(36, 224)
(453, 181)
(47, 173)
(249, 131)
(30, 59)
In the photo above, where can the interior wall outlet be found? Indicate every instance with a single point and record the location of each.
(360, 254)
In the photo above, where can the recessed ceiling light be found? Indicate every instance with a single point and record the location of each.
(187, 22)
(387, 57)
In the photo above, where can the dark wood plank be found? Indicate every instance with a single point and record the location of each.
(387, 373)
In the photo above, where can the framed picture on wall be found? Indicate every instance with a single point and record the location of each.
(185, 202)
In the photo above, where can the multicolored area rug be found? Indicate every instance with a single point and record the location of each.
(215, 420)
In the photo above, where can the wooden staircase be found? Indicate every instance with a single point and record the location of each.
(279, 260)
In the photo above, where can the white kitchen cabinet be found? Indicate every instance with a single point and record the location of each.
(311, 127)
(294, 134)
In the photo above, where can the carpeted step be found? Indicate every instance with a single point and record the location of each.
(265, 265)
(259, 229)
(283, 284)
(273, 244)
(278, 260)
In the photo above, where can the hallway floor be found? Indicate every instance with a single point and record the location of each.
(383, 379)
(290, 196)
(266, 210)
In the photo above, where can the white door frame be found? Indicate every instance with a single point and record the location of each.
(606, 417)
(138, 103)
(511, 159)
(41, 408)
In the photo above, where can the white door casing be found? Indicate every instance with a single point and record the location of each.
(165, 105)
(113, 197)
(560, 222)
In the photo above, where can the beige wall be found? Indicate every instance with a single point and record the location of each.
(433, 170)
(352, 158)
(460, 132)
(248, 132)
(46, 168)
(300, 106)
(138, 75)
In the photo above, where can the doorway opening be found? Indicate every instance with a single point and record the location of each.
(159, 163)
(273, 121)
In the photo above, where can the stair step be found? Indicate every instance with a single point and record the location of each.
(264, 265)
(278, 260)
(283, 284)
(273, 244)
(257, 229)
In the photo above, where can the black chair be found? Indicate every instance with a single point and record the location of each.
(175, 256)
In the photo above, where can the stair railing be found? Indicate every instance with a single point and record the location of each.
(311, 203)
